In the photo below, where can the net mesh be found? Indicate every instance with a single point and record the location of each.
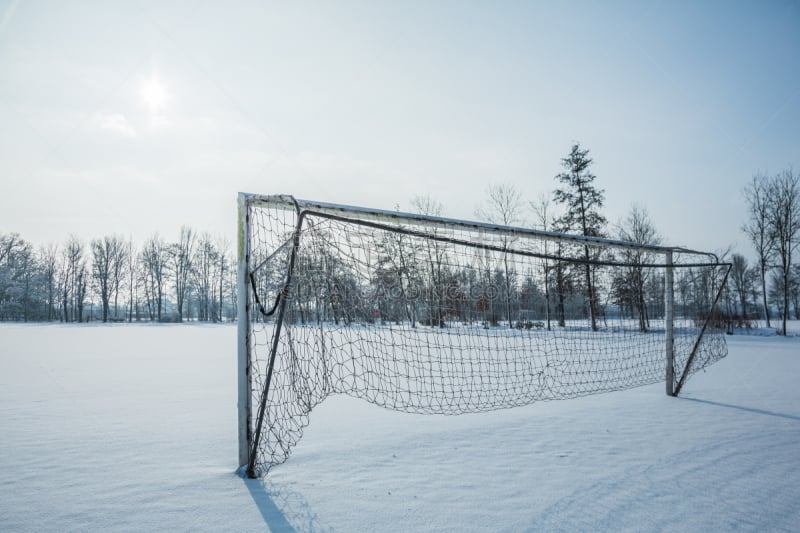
(448, 319)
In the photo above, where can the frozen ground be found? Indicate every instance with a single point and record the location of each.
(133, 428)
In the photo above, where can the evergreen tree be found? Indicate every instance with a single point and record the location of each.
(582, 202)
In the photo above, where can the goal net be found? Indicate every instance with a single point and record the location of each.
(431, 315)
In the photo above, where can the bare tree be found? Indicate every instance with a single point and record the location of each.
(503, 205)
(72, 280)
(397, 276)
(154, 270)
(131, 273)
(180, 260)
(639, 228)
(204, 265)
(427, 205)
(544, 219)
(48, 261)
(26, 281)
(134, 279)
(63, 276)
(758, 229)
(795, 290)
(106, 269)
(81, 288)
(740, 279)
(785, 221)
(223, 249)
(101, 268)
(753, 283)
(119, 267)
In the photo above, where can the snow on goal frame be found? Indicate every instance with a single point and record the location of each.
(433, 315)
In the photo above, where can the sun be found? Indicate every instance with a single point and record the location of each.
(154, 94)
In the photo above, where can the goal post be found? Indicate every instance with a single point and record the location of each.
(669, 322)
(435, 315)
(243, 329)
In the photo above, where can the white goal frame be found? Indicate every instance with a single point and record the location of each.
(368, 216)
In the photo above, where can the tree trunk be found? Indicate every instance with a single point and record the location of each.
(547, 298)
(764, 292)
(785, 299)
(743, 302)
(560, 291)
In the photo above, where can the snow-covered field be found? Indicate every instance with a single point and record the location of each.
(133, 428)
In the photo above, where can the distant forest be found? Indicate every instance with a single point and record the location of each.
(115, 279)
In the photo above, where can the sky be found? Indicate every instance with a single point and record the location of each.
(140, 117)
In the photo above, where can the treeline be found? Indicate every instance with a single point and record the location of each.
(115, 279)
(369, 276)
(416, 281)
(421, 281)
(744, 295)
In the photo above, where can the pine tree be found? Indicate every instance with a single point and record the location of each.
(582, 202)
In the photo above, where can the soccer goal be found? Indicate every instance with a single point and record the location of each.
(433, 315)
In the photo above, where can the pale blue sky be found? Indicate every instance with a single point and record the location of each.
(136, 117)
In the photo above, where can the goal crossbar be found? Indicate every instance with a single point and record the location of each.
(357, 213)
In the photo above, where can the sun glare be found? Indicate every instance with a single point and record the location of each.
(154, 94)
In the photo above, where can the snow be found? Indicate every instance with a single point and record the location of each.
(133, 428)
